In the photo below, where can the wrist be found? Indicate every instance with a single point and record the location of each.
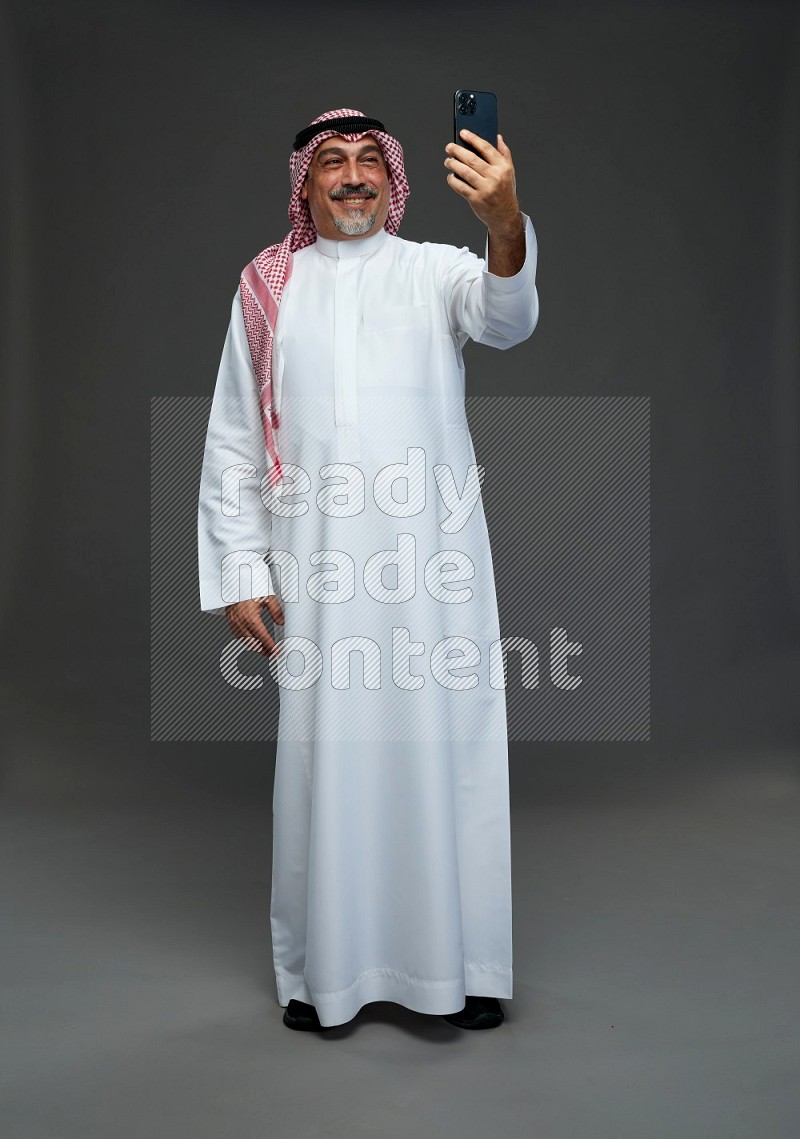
(507, 228)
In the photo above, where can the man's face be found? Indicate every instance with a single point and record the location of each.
(347, 188)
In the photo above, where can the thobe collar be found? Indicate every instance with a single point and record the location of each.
(355, 247)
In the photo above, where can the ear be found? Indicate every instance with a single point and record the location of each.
(304, 190)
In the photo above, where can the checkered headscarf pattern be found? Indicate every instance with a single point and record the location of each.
(263, 280)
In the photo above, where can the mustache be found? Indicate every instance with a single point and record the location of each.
(353, 192)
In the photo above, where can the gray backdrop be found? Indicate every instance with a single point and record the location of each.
(656, 147)
(145, 150)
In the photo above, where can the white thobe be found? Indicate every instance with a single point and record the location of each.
(391, 876)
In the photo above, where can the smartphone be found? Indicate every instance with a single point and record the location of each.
(477, 112)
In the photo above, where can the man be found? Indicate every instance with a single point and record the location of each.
(391, 846)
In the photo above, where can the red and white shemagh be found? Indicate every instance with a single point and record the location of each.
(262, 281)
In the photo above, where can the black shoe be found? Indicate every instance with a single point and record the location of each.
(478, 1012)
(303, 1017)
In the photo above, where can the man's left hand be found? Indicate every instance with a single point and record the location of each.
(485, 179)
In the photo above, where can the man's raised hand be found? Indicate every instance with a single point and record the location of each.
(485, 179)
(245, 621)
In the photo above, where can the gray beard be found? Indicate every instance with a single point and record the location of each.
(357, 226)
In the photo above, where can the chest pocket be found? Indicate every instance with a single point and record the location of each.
(396, 347)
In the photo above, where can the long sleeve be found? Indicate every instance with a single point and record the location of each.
(499, 311)
(233, 525)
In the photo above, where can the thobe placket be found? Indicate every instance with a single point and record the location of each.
(350, 258)
(345, 357)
